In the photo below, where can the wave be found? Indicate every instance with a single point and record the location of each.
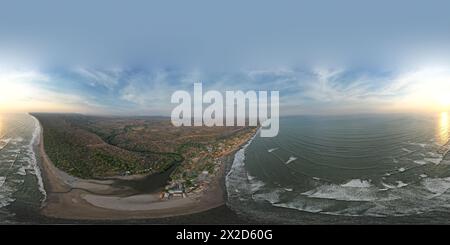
(423, 145)
(4, 143)
(420, 162)
(400, 184)
(361, 198)
(387, 186)
(273, 197)
(399, 178)
(22, 171)
(291, 159)
(437, 186)
(407, 150)
(5, 200)
(434, 160)
(355, 190)
(5, 193)
(237, 174)
(357, 183)
(33, 162)
(2, 180)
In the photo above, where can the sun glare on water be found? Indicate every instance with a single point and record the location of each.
(1, 126)
(443, 128)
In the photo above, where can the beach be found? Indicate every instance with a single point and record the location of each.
(73, 198)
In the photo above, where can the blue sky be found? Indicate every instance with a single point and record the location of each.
(127, 57)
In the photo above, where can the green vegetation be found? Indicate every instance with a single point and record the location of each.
(85, 155)
(98, 147)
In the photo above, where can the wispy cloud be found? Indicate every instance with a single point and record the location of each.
(316, 90)
(106, 78)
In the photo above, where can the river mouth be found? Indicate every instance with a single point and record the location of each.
(151, 183)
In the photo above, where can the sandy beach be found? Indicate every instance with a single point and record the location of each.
(73, 198)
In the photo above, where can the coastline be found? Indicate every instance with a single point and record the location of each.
(72, 198)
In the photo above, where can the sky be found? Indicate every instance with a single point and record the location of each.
(128, 57)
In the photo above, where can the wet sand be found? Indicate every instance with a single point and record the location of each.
(73, 198)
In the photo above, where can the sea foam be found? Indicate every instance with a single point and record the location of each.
(33, 162)
(291, 159)
(357, 183)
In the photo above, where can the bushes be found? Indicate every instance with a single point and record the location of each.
(81, 153)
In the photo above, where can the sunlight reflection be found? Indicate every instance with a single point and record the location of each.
(443, 128)
(1, 126)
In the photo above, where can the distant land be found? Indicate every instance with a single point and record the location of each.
(97, 167)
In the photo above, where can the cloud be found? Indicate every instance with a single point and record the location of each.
(25, 90)
(148, 92)
(105, 78)
(21, 75)
(303, 90)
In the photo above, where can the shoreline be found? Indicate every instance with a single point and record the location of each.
(73, 198)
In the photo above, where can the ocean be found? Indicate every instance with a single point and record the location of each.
(318, 170)
(345, 166)
(21, 187)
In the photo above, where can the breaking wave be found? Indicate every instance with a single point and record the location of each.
(342, 173)
(20, 175)
(33, 144)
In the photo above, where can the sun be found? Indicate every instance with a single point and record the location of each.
(444, 100)
(17, 89)
(431, 88)
(13, 95)
(441, 96)
(13, 91)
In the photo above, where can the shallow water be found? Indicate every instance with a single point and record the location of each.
(366, 166)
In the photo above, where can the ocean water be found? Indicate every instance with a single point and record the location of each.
(21, 185)
(345, 166)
